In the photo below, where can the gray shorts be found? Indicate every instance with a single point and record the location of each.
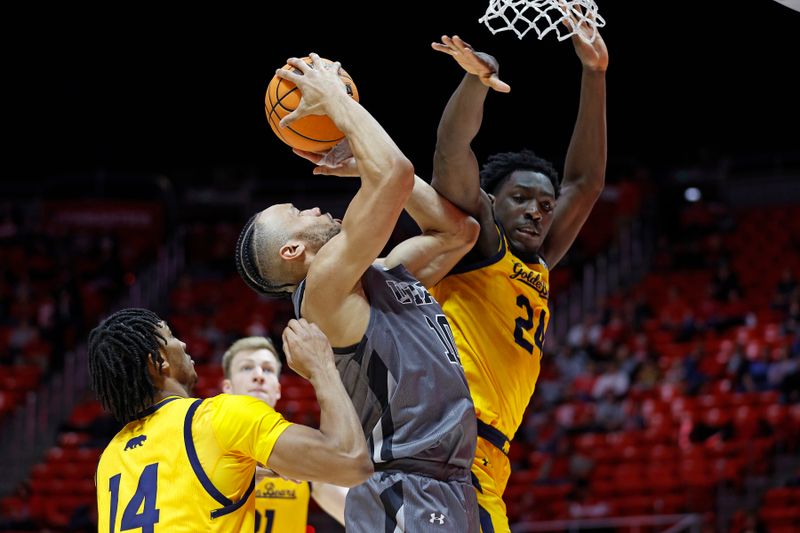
(395, 502)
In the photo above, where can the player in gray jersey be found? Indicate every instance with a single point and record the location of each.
(396, 355)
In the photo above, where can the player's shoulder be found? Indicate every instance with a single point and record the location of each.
(234, 402)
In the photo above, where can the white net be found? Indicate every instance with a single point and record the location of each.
(564, 17)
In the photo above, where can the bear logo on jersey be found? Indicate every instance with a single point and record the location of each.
(135, 442)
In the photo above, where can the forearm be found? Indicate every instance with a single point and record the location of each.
(586, 156)
(338, 421)
(462, 116)
(455, 167)
(432, 212)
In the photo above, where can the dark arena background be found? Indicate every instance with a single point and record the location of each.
(136, 146)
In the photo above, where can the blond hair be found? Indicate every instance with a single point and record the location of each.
(248, 344)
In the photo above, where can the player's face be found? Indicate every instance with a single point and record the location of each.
(311, 225)
(255, 373)
(524, 204)
(181, 364)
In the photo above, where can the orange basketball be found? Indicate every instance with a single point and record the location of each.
(312, 133)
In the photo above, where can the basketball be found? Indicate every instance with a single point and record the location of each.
(312, 133)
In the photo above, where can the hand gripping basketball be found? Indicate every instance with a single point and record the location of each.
(297, 101)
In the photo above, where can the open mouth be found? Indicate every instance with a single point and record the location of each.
(526, 230)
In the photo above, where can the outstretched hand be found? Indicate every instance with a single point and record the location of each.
(594, 55)
(479, 64)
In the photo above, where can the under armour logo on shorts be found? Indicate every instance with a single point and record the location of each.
(437, 519)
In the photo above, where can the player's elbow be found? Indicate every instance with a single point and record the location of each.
(470, 230)
(355, 469)
(464, 233)
(402, 175)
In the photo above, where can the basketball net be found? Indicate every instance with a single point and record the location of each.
(565, 17)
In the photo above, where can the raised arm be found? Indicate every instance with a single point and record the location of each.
(447, 234)
(585, 165)
(386, 182)
(455, 168)
(337, 451)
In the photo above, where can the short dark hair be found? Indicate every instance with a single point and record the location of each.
(500, 166)
(247, 265)
(119, 349)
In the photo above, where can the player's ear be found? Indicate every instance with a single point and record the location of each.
(155, 370)
(227, 387)
(292, 250)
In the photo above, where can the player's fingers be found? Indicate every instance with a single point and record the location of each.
(461, 44)
(314, 157)
(298, 113)
(299, 64)
(290, 75)
(498, 85)
(442, 48)
(315, 59)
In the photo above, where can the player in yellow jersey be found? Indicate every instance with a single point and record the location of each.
(496, 298)
(251, 367)
(187, 465)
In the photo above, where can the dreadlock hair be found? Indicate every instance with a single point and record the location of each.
(119, 349)
(247, 265)
(500, 166)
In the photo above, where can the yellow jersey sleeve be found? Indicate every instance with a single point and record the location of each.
(246, 425)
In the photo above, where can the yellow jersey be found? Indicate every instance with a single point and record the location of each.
(282, 506)
(498, 311)
(187, 465)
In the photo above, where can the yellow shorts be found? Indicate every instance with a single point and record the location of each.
(492, 469)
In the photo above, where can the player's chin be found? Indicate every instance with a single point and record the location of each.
(525, 243)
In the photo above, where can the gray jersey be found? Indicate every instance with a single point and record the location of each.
(405, 378)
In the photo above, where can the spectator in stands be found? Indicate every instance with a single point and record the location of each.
(758, 369)
(609, 414)
(725, 280)
(583, 505)
(738, 365)
(692, 376)
(673, 310)
(641, 312)
(647, 376)
(710, 426)
(790, 371)
(571, 363)
(585, 332)
(787, 285)
(613, 380)
(753, 523)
